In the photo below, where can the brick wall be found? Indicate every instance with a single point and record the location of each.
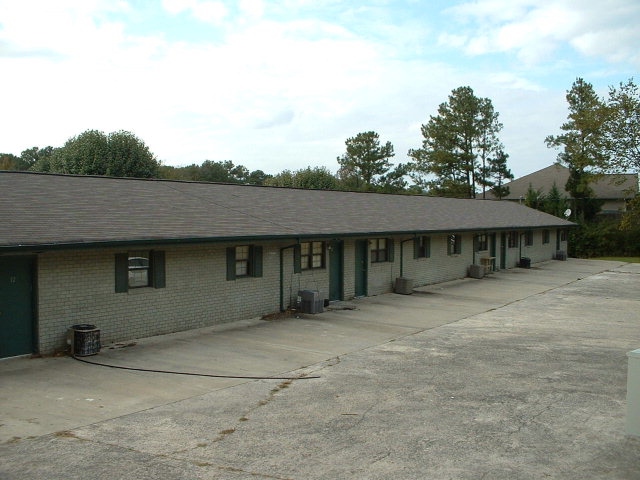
(79, 286)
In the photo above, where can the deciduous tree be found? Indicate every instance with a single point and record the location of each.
(119, 154)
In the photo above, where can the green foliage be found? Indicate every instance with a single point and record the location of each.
(37, 159)
(214, 171)
(603, 238)
(458, 147)
(8, 161)
(631, 218)
(319, 178)
(555, 202)
(622, 128)
(27, 160)
(365, 162)
(119, 154)
(534, 198)
(499, 173)
(582, 140)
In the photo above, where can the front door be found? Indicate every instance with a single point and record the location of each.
(503, 250)
(16, 306)
(336, 270)
(362, 248)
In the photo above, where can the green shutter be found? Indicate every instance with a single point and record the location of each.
(122, 272)
(390, 248)
(256, 261)
(158, 269)
(416, 247)
(297, 259)
(427, 247)
(231, 263)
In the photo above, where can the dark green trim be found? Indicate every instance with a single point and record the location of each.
(256, 260)
(231, 263)
(122, 272)
(158, 269)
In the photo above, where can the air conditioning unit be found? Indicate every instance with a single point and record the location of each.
(476, 271)
(403, 286)
(560, 255)
(310, 301)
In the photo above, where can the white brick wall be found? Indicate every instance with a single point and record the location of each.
(79, 286)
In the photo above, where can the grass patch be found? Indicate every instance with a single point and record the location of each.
(620, 259)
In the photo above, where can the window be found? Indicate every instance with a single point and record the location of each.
(138, 269)
(312, 255)
(454, 244)
(528, 238)
(244, 261)
(381, 250)
(482, 243)
(422, 247)
(546, 236)
(513, 239)
(563, 235)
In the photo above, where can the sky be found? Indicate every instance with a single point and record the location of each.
(281, 84)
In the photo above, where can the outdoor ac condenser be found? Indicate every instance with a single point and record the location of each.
(309, 301)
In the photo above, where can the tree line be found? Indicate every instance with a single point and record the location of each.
(460, 156)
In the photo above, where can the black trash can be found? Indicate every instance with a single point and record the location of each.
(84, 340)
(525, 262)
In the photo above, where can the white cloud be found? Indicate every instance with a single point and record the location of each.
(535, 30)
(270, 90)
(203, 10)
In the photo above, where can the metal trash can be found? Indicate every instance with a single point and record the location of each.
(84, 340)
(525, 262)
(403, 286)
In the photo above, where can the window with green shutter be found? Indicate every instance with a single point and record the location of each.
(244, 261)
(139, 269)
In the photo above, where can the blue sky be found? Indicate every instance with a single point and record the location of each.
(281, 84)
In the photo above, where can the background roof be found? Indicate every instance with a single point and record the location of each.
(42, 210)
(610, 187)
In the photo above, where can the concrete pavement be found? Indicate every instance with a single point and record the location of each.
(519, 375)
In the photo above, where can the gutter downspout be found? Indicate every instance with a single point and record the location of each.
(282, 249)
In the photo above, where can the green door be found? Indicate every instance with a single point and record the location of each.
(503, 250)
(336, 270)
(362, 248)
(16, 306)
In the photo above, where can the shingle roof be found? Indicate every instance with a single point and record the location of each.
(45, 211)
(608, 187)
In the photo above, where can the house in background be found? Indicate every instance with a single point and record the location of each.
(614, 189)
(146, 257)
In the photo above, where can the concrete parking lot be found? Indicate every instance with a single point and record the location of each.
(520, 375)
